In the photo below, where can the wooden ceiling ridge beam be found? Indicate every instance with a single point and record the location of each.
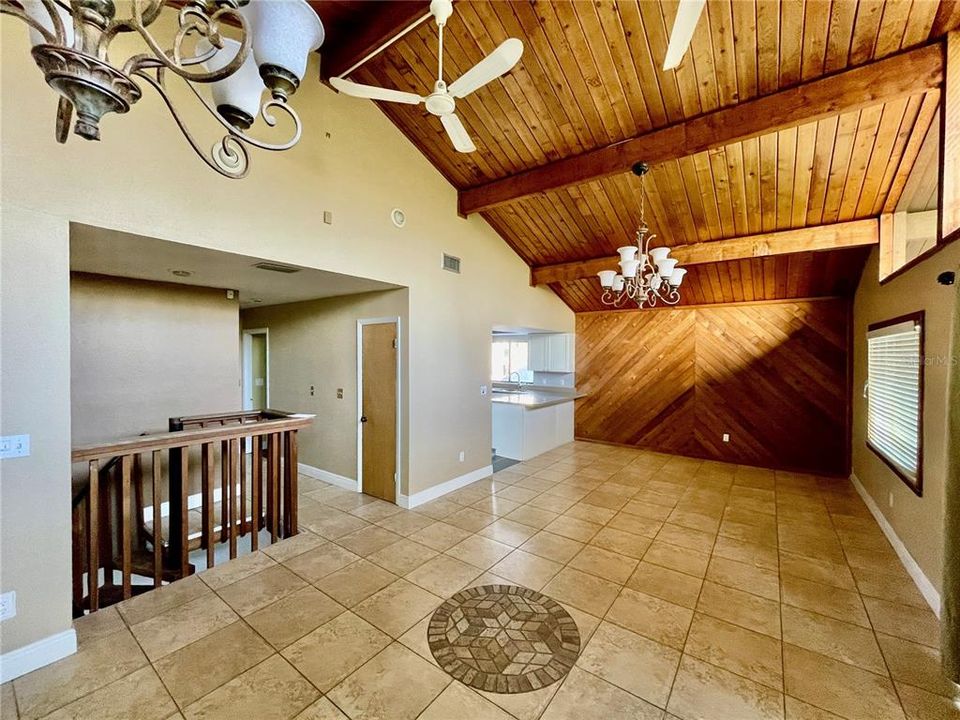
(855, 233)
(906, 73)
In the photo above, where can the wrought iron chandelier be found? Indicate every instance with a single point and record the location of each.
(71, 41)
(647, 275)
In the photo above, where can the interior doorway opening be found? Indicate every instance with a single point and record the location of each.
(256, 369)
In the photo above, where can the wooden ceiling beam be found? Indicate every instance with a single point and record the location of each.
(369, 26)
(893, 77)
(856, 233)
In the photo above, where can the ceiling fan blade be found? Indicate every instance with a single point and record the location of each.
(458, 133)
(688, 14)
(490, 68)
(348, 87)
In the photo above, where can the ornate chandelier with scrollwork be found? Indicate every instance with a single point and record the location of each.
(71, 42)
(647, 275)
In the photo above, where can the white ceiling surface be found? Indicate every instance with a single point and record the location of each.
(111, 252)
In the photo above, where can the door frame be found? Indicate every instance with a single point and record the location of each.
(393, 320)
(247, 362)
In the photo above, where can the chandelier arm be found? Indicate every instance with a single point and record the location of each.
(128, 24)
(58, 29)
(266, 111)
(8, 8)
(148, 60)
(228, 156)
(64, 116)
(204, 26)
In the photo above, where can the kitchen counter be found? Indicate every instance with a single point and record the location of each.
(533, 399)
(531, 422)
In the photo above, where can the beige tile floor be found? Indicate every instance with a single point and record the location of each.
(702, 591)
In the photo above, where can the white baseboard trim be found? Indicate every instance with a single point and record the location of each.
(923, 583)
(425, 496)
(30, 657)
(328, 477)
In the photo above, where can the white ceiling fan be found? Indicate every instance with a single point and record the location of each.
(688, 14)
(442, 101)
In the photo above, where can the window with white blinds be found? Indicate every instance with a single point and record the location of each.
(894, 394)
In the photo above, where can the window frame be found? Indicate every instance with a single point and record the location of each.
(916, 485)
(511, 340)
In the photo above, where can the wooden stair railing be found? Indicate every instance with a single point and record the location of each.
(104, 533)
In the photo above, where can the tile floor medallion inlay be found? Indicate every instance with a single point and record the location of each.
(503, 639)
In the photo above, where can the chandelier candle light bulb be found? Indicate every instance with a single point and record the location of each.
(647, 275)
(606, 278)
(666, 267)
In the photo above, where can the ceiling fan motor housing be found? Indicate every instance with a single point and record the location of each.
(440, 102)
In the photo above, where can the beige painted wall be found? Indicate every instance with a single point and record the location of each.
(143, 352)
(35, 400)
(143, 178)
(315, 344)
(918, 521)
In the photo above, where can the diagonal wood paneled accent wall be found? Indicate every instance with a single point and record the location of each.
(772, 375)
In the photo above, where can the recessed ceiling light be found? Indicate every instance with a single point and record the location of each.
(181, 273)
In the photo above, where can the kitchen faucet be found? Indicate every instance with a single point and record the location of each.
(519, 381)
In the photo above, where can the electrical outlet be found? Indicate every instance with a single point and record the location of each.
(726, 437)
(463, 456)
(14, 446)
(8, 605)
(339, 393)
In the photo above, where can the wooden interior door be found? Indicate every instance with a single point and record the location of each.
(379, 416)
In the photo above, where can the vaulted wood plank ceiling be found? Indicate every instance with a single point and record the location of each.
(590, 76)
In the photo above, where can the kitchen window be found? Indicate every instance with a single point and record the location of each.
(510, 356)
(894, 395)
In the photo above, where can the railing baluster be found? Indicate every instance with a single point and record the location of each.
(243, 486)
(156, 480)
(290, 483)
(126, 541)
(79, 555)
(256, 468)
(273, 477)
(224, 481)
(93, 506)
(184, 558)
(206, 505)
(234, 452)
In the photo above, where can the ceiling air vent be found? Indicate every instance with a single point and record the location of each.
(276, 267)
(451, 263)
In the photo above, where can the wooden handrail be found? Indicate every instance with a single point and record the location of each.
(241, 416)
(186, 438)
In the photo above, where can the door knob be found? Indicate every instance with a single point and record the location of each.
(363, 418)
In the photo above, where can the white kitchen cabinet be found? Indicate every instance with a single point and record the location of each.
(537, 352)
(522, 433)
(552, 352)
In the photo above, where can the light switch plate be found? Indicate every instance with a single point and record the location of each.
(483, 390)
(8, 605)
(14, 446)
